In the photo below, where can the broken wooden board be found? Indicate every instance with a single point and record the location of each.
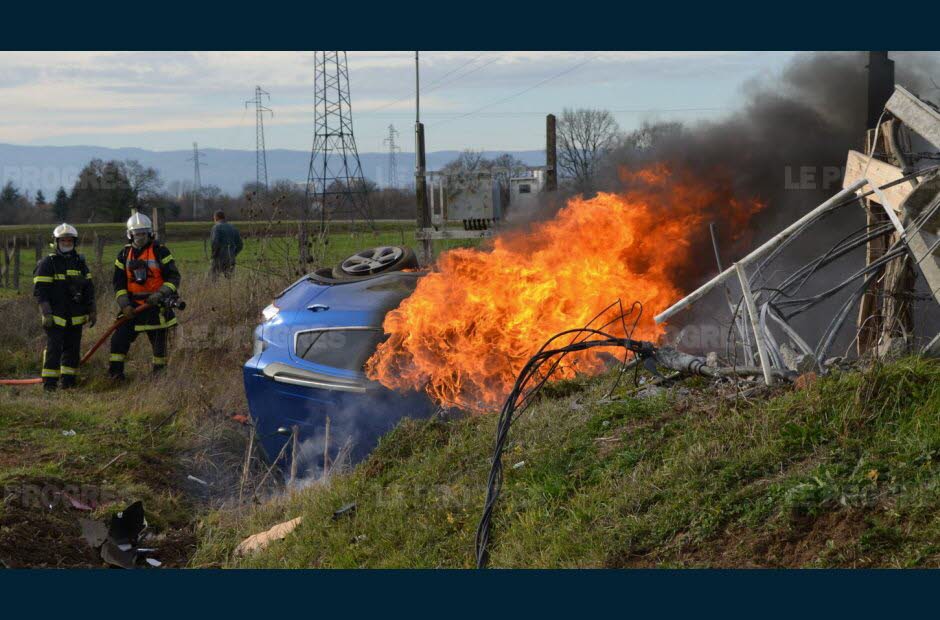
(879, 173)
(920, 116)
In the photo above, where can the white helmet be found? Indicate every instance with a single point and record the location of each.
(64, 230)
(138, 222)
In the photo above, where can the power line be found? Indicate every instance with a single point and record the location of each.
(521, 92)
(452, 71)
(435, 84)
(455, 115)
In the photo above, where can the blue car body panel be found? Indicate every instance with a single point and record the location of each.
(286, 386)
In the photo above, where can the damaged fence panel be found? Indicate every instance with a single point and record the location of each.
(836, 201)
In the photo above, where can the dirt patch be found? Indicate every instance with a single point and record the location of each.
(809, 539)
(39, 528)
(31, 537)
(832, 536)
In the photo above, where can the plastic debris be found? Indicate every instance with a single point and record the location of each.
(78, 504)
(347, 509)
(94, 532)
(117, 541)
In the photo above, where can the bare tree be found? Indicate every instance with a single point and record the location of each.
(144, 182)
(584, 137)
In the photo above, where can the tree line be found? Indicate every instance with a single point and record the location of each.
(588, 141)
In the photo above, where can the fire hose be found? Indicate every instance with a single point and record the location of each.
(175, 303)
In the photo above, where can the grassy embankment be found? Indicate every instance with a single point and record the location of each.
(159, 431)
(843, 473)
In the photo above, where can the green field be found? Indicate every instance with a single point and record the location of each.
(264, 255)
(188, 230)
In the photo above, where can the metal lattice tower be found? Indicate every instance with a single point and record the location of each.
(197, 180)
(335, 186)
(261, 156)
(391, 171)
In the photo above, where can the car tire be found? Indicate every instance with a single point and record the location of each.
(374, 261)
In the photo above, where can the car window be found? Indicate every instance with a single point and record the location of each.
(340, 348)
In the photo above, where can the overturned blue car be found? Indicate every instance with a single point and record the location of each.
(306, 377)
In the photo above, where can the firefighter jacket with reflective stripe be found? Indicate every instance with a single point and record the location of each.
(64, 282)
(140, 273)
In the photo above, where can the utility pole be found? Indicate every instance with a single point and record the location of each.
(551, 155)
(335, 185)
(423, 219)
(391, 170)
(885, 312)
(197, 181)
(261, 157)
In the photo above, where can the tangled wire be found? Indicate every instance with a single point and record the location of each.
(531, 379)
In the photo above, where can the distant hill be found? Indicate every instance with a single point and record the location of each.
(47, 167)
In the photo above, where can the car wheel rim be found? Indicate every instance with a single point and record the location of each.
(371, 260)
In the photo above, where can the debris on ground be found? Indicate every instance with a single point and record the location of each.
(345, 510)
(118, 542)
(257, 542)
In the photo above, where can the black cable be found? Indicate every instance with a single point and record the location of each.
(521, 395)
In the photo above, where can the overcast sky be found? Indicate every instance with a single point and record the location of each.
(481, 100)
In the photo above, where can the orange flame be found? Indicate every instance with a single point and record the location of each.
(470, 325)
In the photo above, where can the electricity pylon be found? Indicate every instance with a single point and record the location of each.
(197, 180)
(335, 185)
(391, 170)
(261, 156)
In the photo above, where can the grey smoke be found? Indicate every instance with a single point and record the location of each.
(804, 119)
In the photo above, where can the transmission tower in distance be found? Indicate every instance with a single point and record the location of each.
(391, 170)
(335, 186)
(197, 180)
(261, 156)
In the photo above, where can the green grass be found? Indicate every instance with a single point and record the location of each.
(202, 385)
(843, 473)
(63, 443)
(160, 429)
(263, 255)
(190, 229)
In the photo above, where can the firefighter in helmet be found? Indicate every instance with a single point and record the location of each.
(144, 273)
(64, 289)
